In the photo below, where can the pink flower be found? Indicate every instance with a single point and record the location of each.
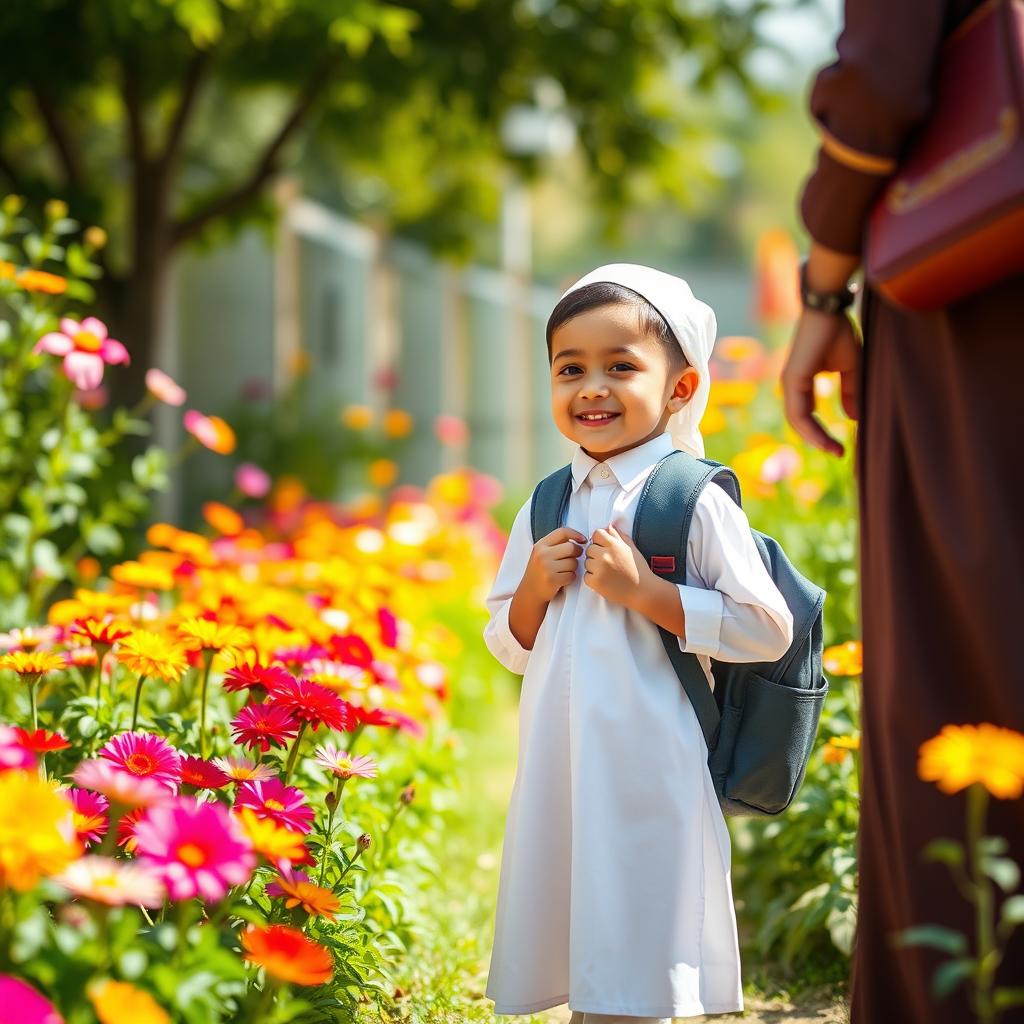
(260, 725)
(24, 1004)
(271, 798)
(90, 815)
(13, 753)
(210, 431)
(248, 675)
(252, 481)
(451, 430)
(238, 769)
(85, 348)
(113, 882)
(197, 849)
(345, 765)
(164, 388)
(782, 463)
(146, 756)
(119, 786)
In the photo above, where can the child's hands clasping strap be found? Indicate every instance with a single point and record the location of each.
(616, 569)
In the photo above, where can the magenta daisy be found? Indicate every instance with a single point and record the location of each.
(146, 756)
(263, 725)
(344, 765)
(196, 849)
(12, 753)
(202, 774)
(90, 810)
(119, 786)
(113, 882)
(246, 676)
(314, 704)
(271, 798)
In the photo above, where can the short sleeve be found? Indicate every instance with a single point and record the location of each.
(498, 636)
(733, 609)
(866, 104)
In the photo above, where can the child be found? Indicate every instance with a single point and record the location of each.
(615, 890)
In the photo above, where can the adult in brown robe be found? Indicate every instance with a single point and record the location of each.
(940, 476)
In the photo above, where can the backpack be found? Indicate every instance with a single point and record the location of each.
(761, 719)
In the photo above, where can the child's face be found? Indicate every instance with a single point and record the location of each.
(637, 385)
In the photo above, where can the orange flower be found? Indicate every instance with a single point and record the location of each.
(117, 1002)
(298, 891)
(846, 659)
(383, 472)
(99, 631)
(358, 417)
(88, 569)
(397, 423)
(224, 520)
(962, 755)
(210, 431)
(152, 654)
(33, 663)
(270, 840)
(41, 281)
(286, 954)
(776, 266)
(831, 754)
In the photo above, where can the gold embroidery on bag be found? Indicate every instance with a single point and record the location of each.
(905, 195)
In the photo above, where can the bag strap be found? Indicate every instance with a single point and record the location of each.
(550, 502)
(661, 529)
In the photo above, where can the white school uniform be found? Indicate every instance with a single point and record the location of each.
(615, 884)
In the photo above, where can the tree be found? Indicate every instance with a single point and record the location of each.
(123, 108)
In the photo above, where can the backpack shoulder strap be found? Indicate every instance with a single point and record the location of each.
(550, 502)
(661, 528)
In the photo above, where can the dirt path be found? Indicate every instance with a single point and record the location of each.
(813, 1009)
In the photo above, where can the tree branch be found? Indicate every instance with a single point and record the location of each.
(59, 134)
(132, 97)
(194, 78)
(267, 166)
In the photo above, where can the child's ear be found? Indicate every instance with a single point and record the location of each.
(686, 385)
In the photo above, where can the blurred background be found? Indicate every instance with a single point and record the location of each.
(317, 205)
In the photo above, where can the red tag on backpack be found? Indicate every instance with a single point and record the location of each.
(663, 563)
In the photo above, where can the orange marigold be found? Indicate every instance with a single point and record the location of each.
(962, 755)
(286, 954)
(33, 663)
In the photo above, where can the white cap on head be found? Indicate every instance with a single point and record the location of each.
(692, 322)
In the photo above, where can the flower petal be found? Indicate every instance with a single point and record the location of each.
(55, 343)
(84, 368)
(94, 326)
(114, 352)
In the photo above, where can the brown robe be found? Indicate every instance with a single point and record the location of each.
(940, 477)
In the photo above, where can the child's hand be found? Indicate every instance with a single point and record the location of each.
(553, 561)
(615, 568)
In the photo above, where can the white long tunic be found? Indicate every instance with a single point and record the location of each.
(615, 889)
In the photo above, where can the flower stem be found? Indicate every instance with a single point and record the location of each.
(988, 954)
(138, 697)
(294, 752)
(207, 662)
(32, 702)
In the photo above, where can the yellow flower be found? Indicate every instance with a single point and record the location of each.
(270, 840)
(965, 754)
(713, 421)
(206, 635)
(152, 654)
(358, 417)
(383, 472)
(846, 659)
(846, 742)
(397, 423)
(37, 830)
(145, 577)
(117, 1002)
(734, 392)
(32, 663)
(738, 348)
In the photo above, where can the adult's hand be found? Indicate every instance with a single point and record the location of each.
(822, 343)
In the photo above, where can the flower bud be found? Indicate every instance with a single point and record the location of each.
(363, 842)
(331, 800)
(408, 794)
(13, 205)
(95, 237)
(55, 209)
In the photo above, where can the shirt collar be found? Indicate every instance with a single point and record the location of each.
(628, 466)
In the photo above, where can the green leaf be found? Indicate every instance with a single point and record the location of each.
(1013, 910)
(946, 851)
(1004, 998)
(935, 936)
(950, 975)
(102, 539)
(1003, 871)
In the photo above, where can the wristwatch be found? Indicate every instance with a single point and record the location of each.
(825, 302)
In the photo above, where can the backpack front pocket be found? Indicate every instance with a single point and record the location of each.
(764, 743)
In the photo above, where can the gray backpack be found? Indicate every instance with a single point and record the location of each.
(761, 720)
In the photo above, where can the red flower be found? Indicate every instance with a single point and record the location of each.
(314, 704)
(126, 828)
(246, 676)
(40, 741)
(260, 725)
(388, 717)
(202, 774)
(286, 954)
(351, 649)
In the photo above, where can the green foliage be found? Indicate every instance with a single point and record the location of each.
(62, 492)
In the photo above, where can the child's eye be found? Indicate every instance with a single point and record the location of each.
(573, 366)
